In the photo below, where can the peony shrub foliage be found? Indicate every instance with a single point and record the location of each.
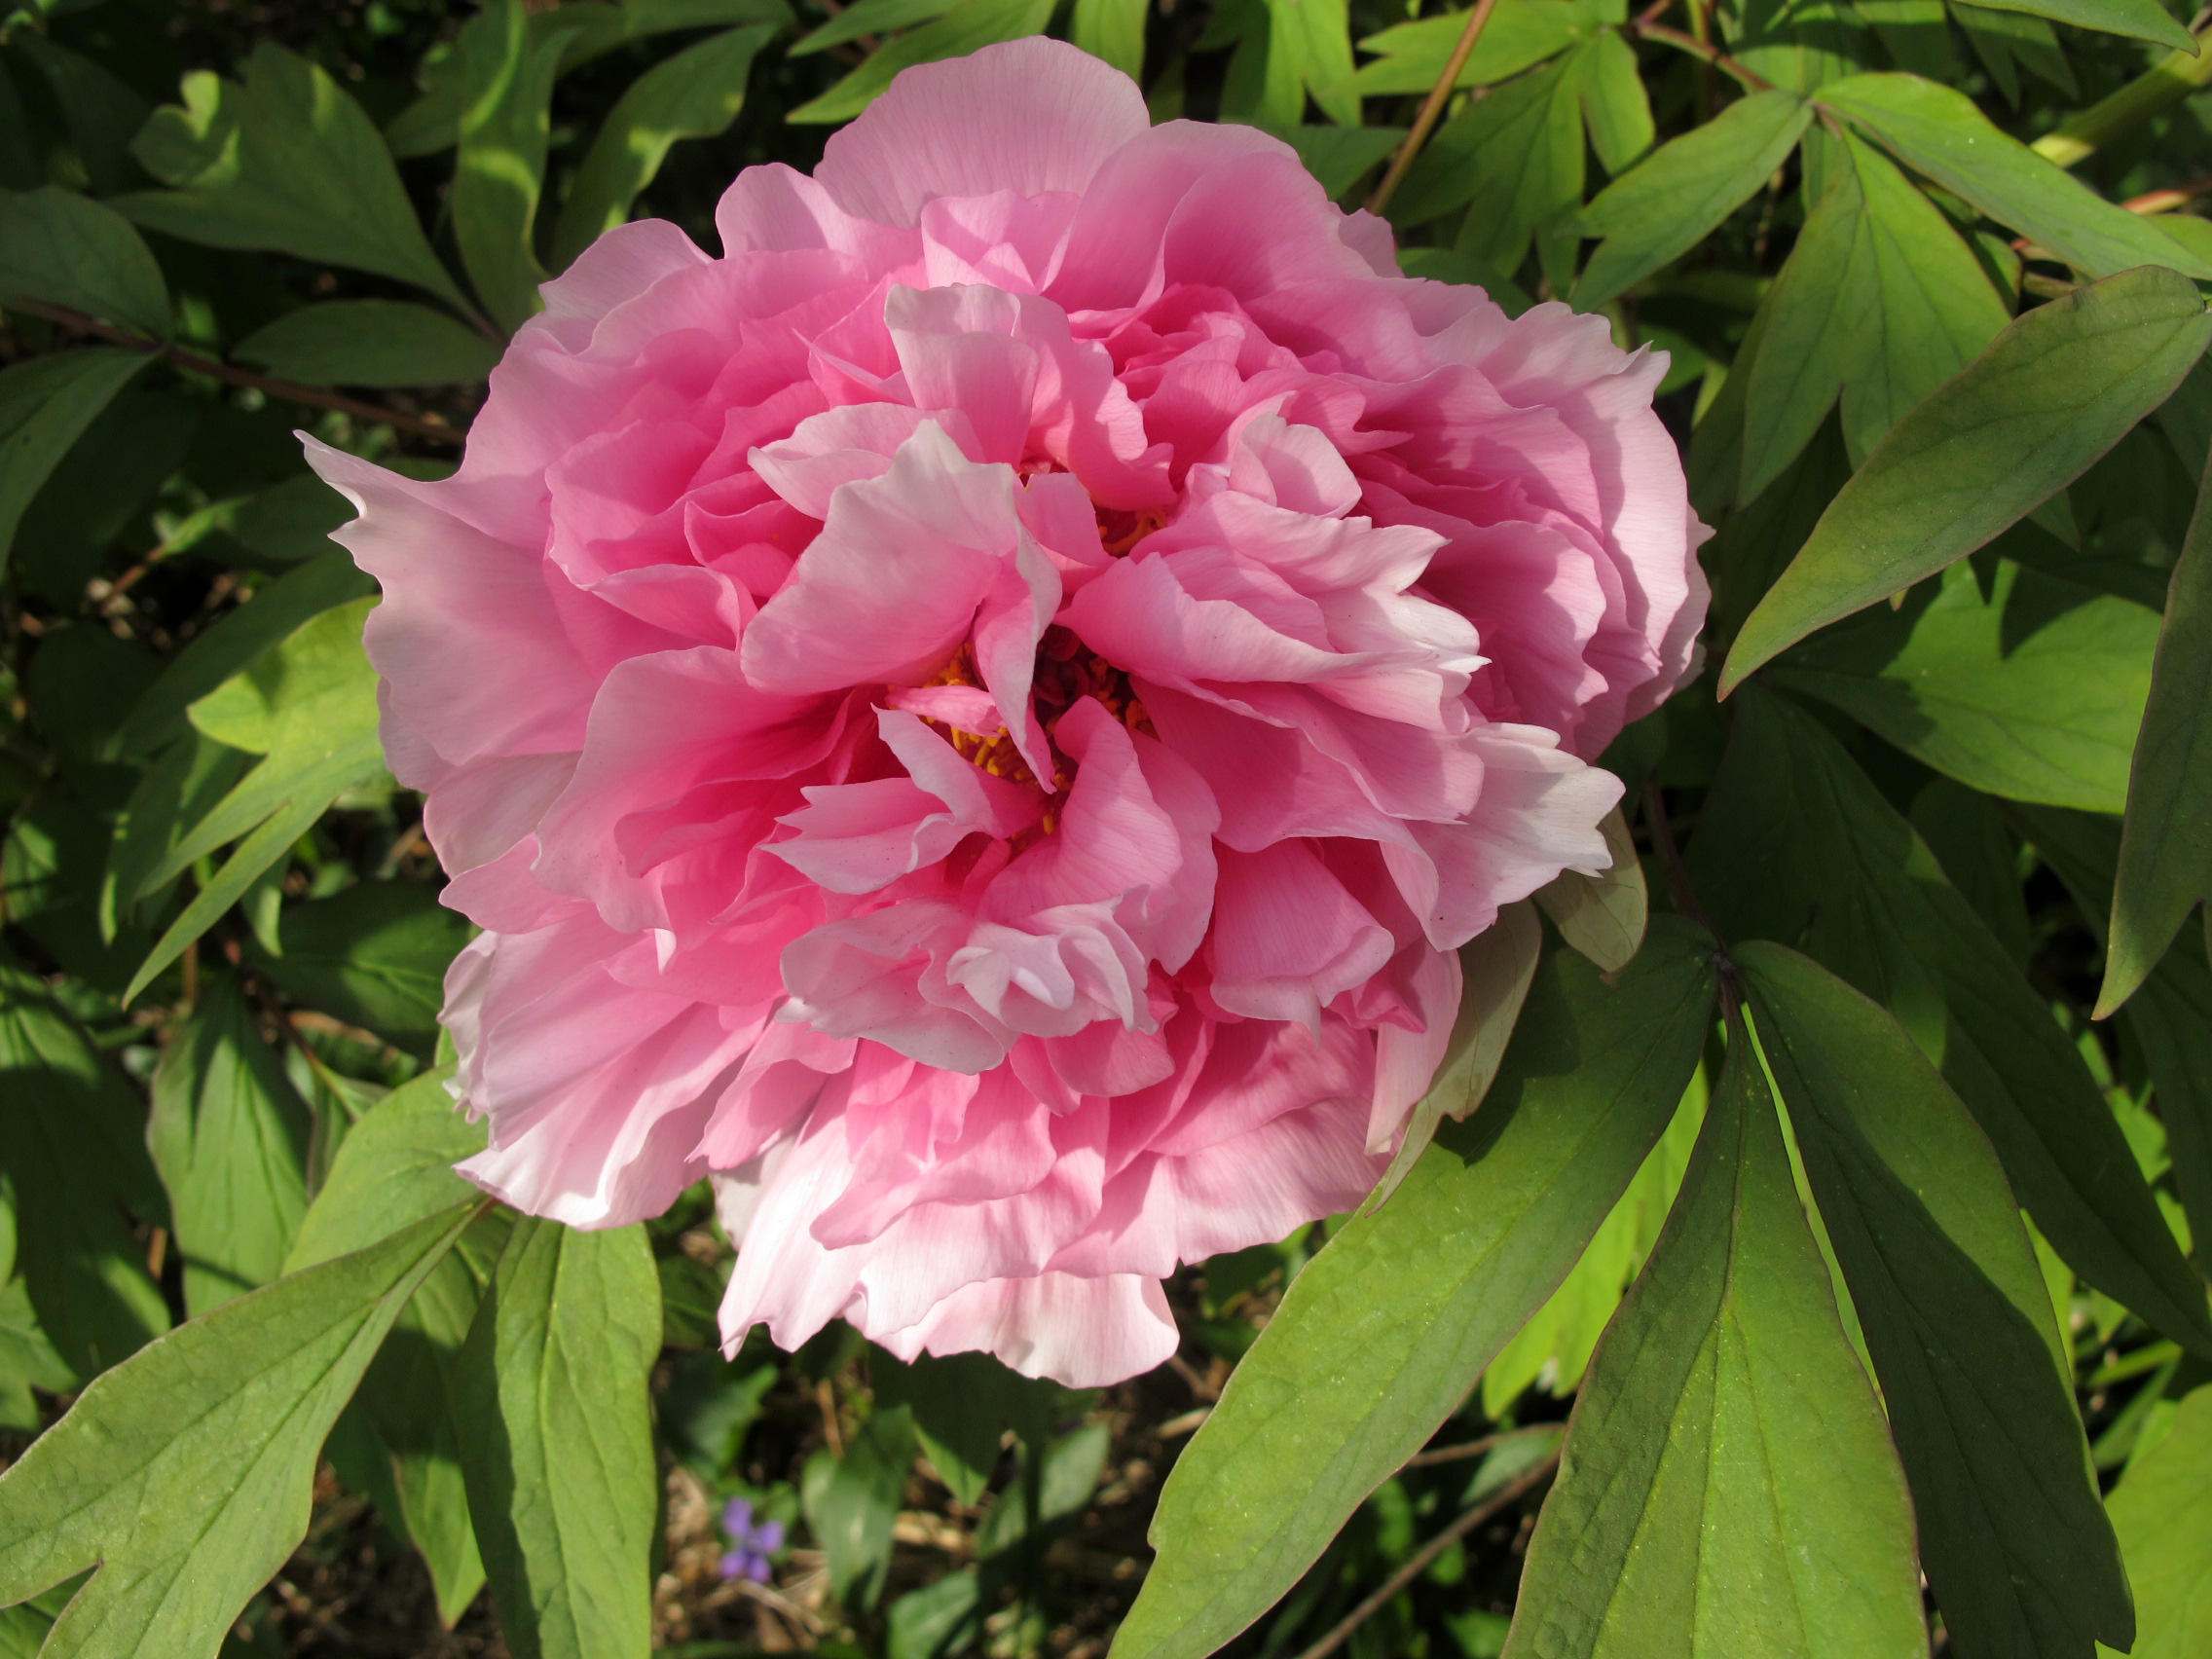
(961, 827)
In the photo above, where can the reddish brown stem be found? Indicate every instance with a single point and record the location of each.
(1438, 95)
(315, 397)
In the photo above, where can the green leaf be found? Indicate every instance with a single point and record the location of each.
(1290, 51)
(70, 250)
(1677, 196)
(1111, 30)
(1614, 106)
(1795, 842)
(2013, 1537)
(1409, 57)
(395, 1166)
(228, 1136)
(2033, 690)
(308, 706)
(1879, 303)
(45, 406)
(1554, 1348)
(1602, 916)
(236, 638)
(1529, 134)
(557, 1441)
(970, 24)
(184, 1474)
(1378, 1339)
(963, 1405)
(2142, 19)
(2051, 395)
(27, 1361)
(694, 95)
(1940, 132)
(71, 1147)
(1496, 967)
(2008, 41)
(868, 18)
(2165, 850)
(374, 954)
(369, 343)
(2170, 1017)
(2162, 1512)
(1728, 1485)
(99, 110)
(502, 168)
(1342, 157)
(285, 163)
(851, 1500)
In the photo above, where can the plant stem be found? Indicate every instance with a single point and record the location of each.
(315, 397)
(1438, 95)
(1419, 1561)
(1740, 73)
(2164, 84)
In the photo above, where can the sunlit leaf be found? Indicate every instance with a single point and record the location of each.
(1728, 1485)
(1381, 1334)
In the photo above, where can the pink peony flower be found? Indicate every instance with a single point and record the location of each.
(979, 718)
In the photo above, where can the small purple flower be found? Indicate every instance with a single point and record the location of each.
(751, 1546)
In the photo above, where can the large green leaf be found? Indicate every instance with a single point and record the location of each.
(184, 1474)
(1940, 132)
(2162, 1512)
(1528, 136)
(70, 250)
(284, 162)
(72, 1147)
(230, 1136)
(393, 1168)
(307, 705)
(557, 1440)
(2165, 851)
(369, 343)
(1956, 1316)
(852, 1501)
(1728, 1487)
(1111, 30)
(1879, 303)
(694, 95)
(1409, 57)
(2033, 689)
(2051, 395)
(1796, 843)
(1676, 197)
(45, 406)
(2145, 19)
(2170, 1016)
(500, 172)
(375, 954)
(966, 26)
(1381, 1334)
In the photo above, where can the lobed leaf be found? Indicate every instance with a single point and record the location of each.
(557, 1440)
(2166, 849)
(46, 403)
(1602, 916)
(1679, 193)
(1796, 843)
(1380, 1336)
(184, 1473)
(284, 163)
(2032, 689)
(2051, 395)
(1938, 132)
(1956, 1316)
(1728, 1485)
(967, 25)
(228, 1136)
(2163, 1514)
(70, 250)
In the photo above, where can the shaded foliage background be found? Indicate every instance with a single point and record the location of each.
(218, 986)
